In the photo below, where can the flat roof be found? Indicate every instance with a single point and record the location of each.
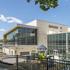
(20, 26)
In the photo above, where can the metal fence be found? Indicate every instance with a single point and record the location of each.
(54, 64)
(45, 64)
(35, 64)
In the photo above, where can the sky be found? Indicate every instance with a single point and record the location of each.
(19, 11)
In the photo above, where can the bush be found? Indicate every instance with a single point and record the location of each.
(41, 56)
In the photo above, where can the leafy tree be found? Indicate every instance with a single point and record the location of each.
(46, 4)
(42, 56)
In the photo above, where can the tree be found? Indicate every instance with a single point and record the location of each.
(46, 4)
(41, 56)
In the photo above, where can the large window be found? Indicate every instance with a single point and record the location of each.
(23, 36)
(57, 42)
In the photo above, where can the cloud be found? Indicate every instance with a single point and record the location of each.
(2, 30)
(10, 19)
(14, 20)
(2, 18)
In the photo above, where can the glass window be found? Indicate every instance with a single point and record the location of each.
(24, 36)
(57, 42)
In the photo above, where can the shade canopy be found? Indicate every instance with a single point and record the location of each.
(41, 47)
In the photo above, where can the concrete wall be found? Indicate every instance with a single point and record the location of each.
(21, 48)
(42, 27)
(60, 29)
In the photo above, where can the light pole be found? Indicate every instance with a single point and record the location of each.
(17, 62)
(16, 53)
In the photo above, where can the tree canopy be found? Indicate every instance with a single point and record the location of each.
(46, 4)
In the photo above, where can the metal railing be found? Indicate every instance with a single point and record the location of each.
(36, 64)
(45, 64)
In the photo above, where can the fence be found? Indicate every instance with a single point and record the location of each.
(46, 64)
